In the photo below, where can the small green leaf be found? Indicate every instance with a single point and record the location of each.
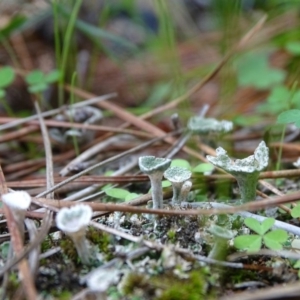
(293, 47)
(37, 88)
(178, 162)
(53, 76)
(275, 238)
(7, 76)
(278, 235)
(295, 212)
(106, 187)
(35, 77)
(271, 244)
(296, 99)
(131, 196)
(202, 168)
(117, 193)
(248, 242)
(289, 116)
(2, 93)
(297, 264)
(245, 121)
(166, 183)
(267, 225)
(109, 173)
(254, 225)
(253, 69)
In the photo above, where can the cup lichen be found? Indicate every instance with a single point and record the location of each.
(246, 171)
(177, 176)
(18, 202)
(207, 126)
(73, 222)
(154, 167)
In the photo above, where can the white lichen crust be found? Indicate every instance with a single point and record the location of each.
(19, 200)
(73, 222)
(246, 170)
(206, 126)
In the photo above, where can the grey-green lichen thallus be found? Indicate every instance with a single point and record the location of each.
(206, 126)
(246, 171)
(154, 167)
(177, 176)
(222, 236)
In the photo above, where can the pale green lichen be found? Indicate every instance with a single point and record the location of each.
(207, 126)
(154, 168)
(177, 176)
(246, 171)
(222, 236)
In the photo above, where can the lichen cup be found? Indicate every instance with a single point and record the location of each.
(246, 171)
(154, 167)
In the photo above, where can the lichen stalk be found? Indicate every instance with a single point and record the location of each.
(247, 186)
(184, 192)
(73, 222)
(82, 246)
(156, 190)
(176, 200)
(219, 249)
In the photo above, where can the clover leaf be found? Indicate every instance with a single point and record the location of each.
(121, 194)
(253, 69)
(293, 47)
(203, 168)
(7, 76)
(253, 242)
(117, 193)
(289, 116)
(295, 213)
(39, 81)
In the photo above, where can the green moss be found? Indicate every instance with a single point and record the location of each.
(167, 286)
(234, 276)
(133, 282)
(61, 295)
(171, 235)
(102, 241)
(13, 284)
(47, 244)
(69, 249)
(193, 288)
(96, 237)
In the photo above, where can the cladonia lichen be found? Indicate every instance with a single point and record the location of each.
(206, 126)
(246, 171)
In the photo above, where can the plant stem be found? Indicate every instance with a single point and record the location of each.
(66, 45)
